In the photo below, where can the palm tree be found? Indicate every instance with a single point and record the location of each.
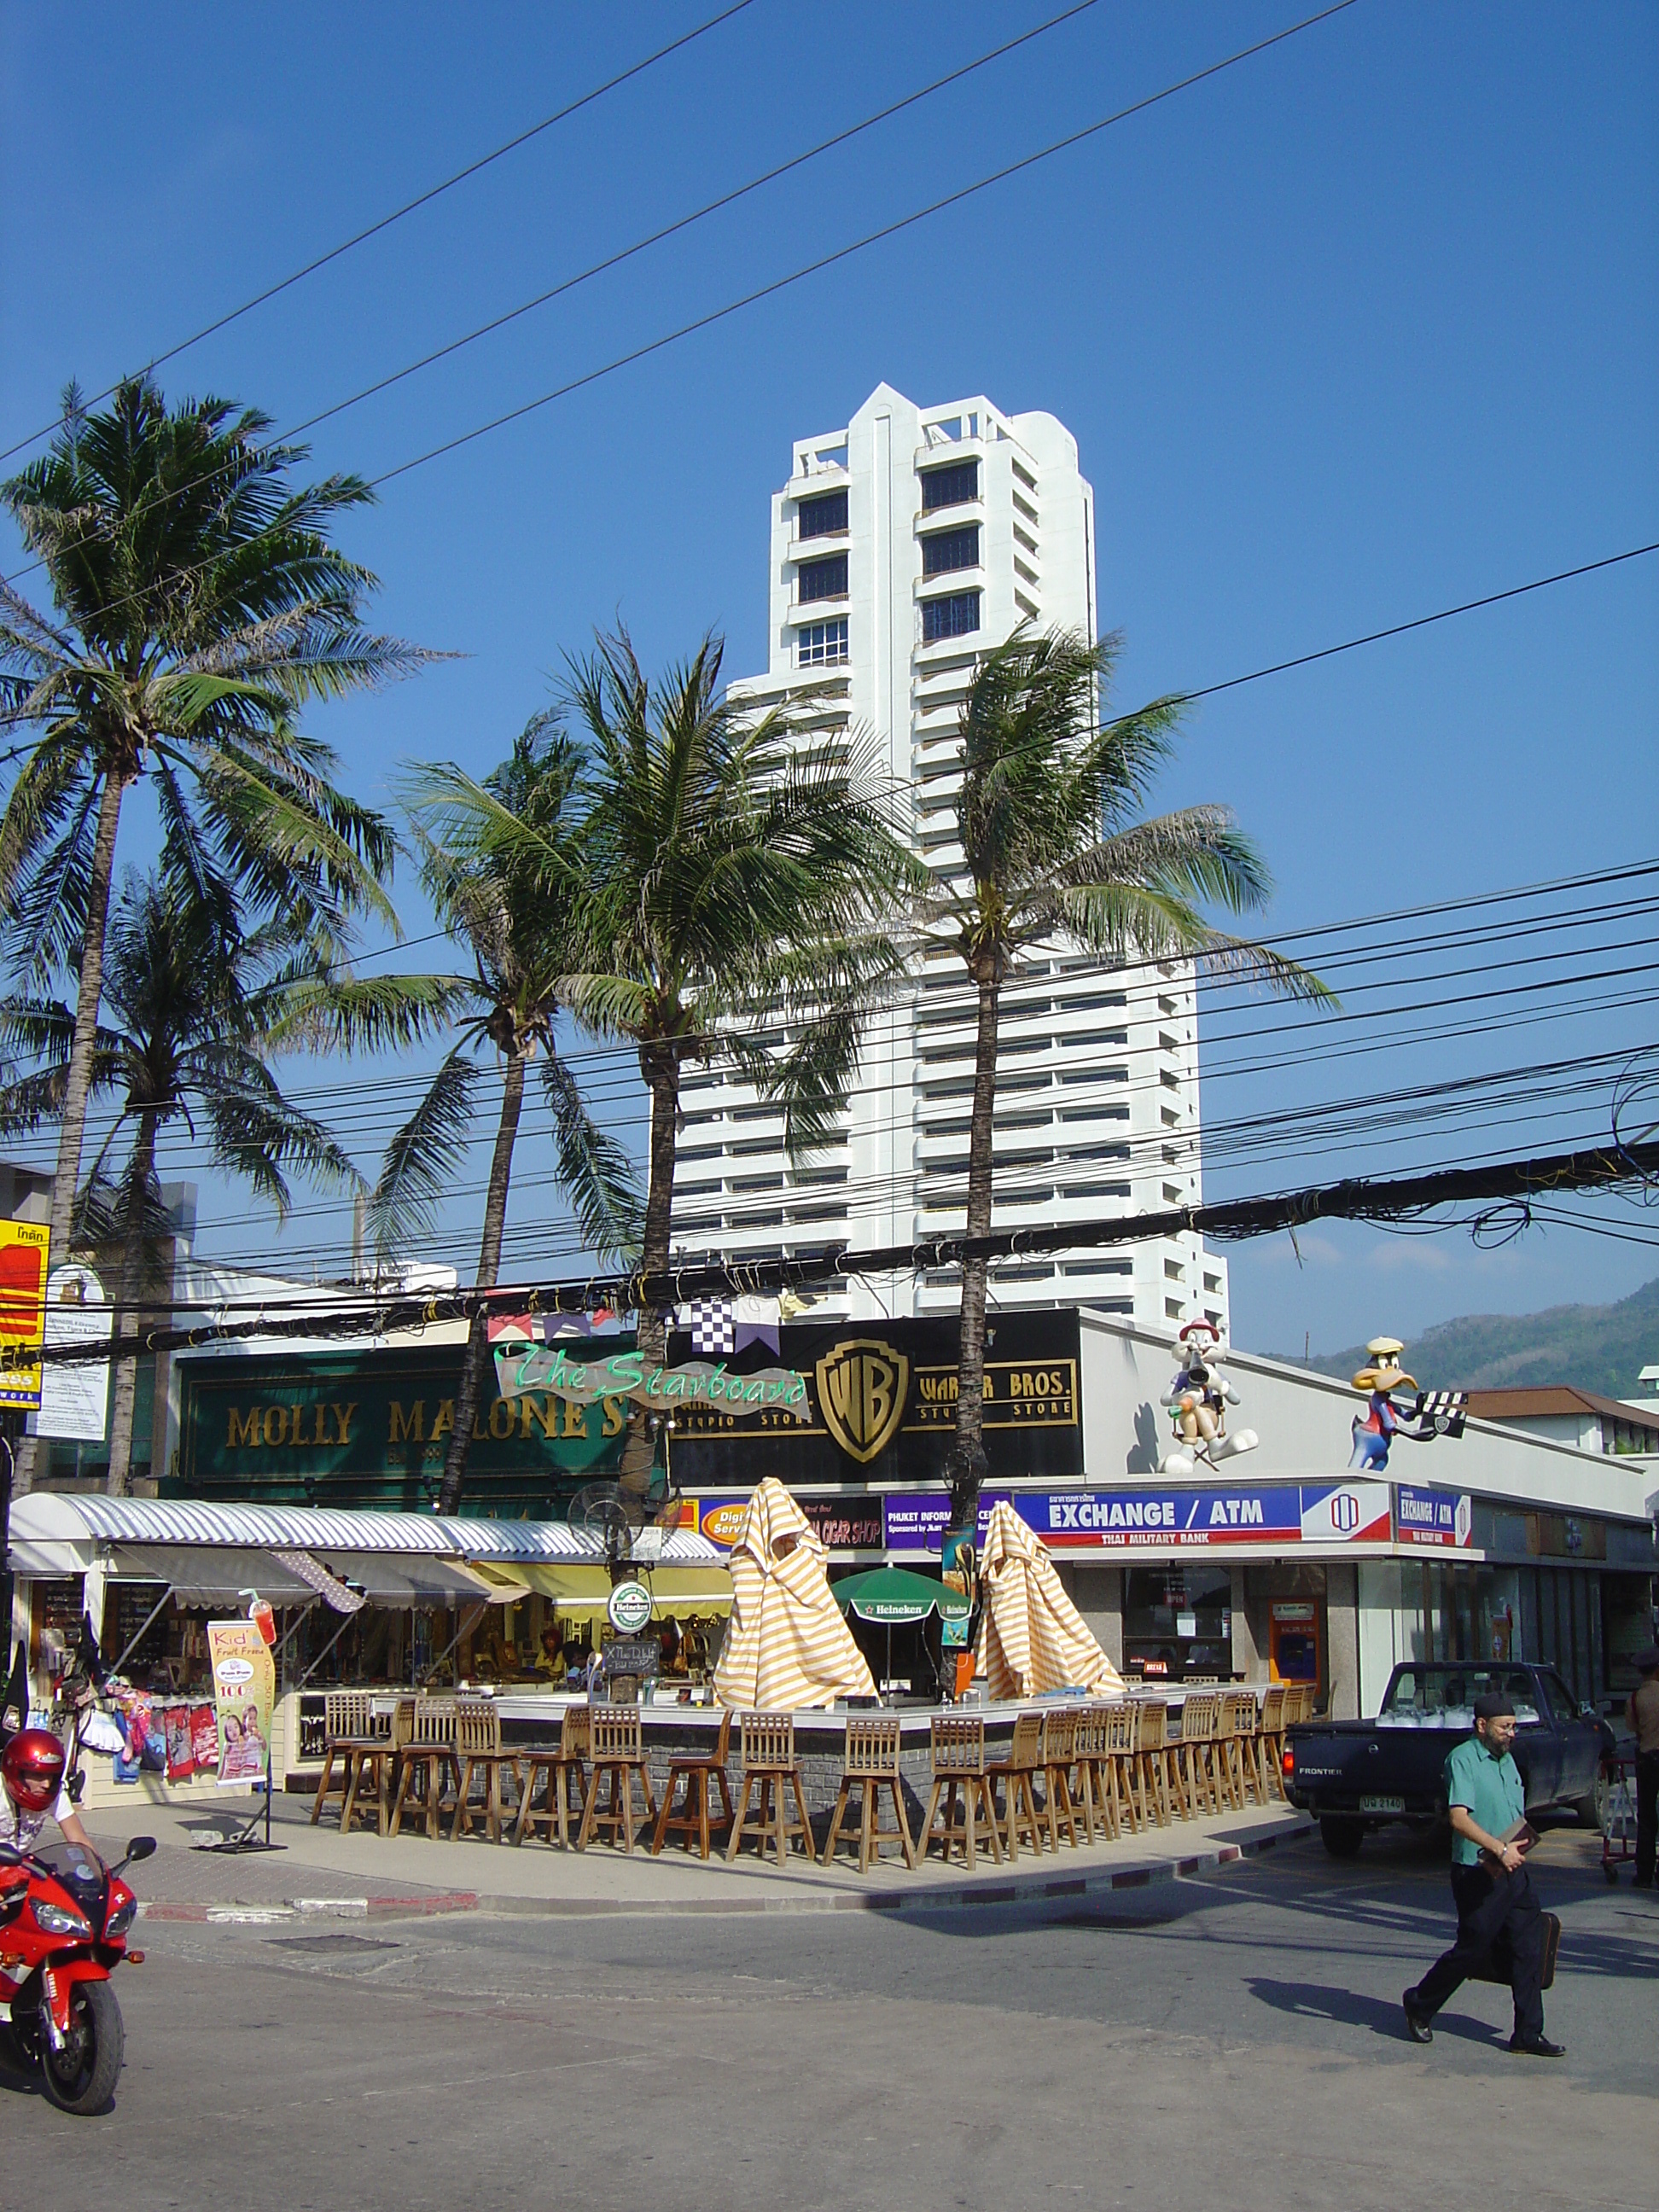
(199, 605)
(522, 922)
(1054, 846)
(189, 1005)
(739, 874)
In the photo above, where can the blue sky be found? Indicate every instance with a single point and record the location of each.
(1362, 327)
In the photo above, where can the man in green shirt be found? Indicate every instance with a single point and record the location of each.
(1490, 1885)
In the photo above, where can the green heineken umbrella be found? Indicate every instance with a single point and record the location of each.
(893, 1594)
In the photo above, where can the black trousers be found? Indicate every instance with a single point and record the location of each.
(1488, 1907)
(1647, 1812)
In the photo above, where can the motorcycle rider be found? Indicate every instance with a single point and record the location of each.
(32, 1773)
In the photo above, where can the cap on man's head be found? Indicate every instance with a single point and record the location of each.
(1647, 1662)
(1494, 1706)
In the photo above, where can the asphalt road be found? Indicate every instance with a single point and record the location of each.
(1228, 2042)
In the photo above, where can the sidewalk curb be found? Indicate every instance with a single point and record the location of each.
(955, 1899)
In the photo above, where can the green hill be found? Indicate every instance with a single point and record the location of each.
(1598, 1347)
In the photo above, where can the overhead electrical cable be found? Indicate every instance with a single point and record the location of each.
(421, 199)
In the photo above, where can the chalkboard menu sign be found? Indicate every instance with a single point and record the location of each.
(640, 1655)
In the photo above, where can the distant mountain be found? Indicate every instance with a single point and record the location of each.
(1601, 1348)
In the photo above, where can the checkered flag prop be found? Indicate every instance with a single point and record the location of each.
(713, 1323)
(1443, 1410)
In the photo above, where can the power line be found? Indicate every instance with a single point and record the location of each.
(421, 200)
(1400, 1199)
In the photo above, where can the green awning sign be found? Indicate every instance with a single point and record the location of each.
(522, 1368)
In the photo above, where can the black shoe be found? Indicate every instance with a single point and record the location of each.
(1537, 2046)
(1417, 2023)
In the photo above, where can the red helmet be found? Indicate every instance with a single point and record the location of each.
(32, 1768)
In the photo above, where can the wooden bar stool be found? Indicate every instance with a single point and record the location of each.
(1153, 1759)
(1096, 1773)
(768, 1760)
(1059, 1756)
(1024, 1760)
(1121, 1760)
(1193, 1757)
(566, 1762)
(478, 1753)
(374, 1764)
(1240, 1742)
(618, 1756)
(423, 1763)
(348, 1729)
(697, 1773)
(871, 1764)
(958, 1757)
(1270, 1739)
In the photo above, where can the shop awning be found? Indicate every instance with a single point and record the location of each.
(84, 1521)
(412, 1581)
(209, 1574)
(581, 1592)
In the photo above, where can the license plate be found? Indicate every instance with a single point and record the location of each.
(1381, 1804)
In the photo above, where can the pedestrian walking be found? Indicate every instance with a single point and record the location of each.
(1643, 1714)
(1490, 1886)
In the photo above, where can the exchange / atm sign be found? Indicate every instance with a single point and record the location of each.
(1166, 1519)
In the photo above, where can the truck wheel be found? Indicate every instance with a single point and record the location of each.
(1589, 1810)
(1342, 1838)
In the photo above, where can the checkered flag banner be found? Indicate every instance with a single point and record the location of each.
(713, 1323)
(1443, 1410)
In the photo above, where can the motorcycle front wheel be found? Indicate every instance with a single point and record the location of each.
(81, 2078)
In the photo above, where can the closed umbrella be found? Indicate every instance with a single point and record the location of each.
(1031, 1638)
(787, 1645)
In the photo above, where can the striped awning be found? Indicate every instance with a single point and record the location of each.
(787, 1644)
(76, 1525)
(1031, 1638)
(583, 1593)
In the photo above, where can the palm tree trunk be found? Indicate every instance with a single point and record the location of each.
(129, 1325)
(468, 1396)
(660, 1066)
(71, 1131)
(967, 1471)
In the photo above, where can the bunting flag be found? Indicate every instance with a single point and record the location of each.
(713, 1324)
(756, 1321)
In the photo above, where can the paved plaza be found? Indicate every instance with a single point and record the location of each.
(1227, 2038)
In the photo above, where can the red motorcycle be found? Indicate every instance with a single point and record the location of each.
(64, 1919)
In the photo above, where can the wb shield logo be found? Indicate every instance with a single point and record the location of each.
(1345, 1511)
(861, 1388)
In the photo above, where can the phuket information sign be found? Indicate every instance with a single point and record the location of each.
(244, 1694)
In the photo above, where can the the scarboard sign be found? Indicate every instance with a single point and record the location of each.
(884, 1397)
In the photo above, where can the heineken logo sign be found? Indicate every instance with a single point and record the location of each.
(521, 1369)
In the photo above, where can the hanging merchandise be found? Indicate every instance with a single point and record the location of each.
(181, 1743)
(204, 1738)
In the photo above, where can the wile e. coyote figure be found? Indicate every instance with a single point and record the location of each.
(1198, 1401)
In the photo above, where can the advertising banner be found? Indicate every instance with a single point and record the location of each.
(22, 1313)
(244, 1694)
(1435, 1518)
(1167, 1519)
(75, 1395)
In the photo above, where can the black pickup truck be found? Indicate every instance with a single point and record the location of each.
(1357, 1775)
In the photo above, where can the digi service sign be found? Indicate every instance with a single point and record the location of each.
(1444, 1519)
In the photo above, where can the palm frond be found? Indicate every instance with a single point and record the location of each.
(421, 1161)
(594, 1168)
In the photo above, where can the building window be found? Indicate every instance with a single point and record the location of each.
(945, 549)
(951, 487)
(950, 617)
(820, 643)
(824, 579)
(821, 517)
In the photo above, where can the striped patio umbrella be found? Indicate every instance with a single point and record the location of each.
(787, 1645)
(1031, 1638)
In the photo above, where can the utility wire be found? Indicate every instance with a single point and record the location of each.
(409, 206)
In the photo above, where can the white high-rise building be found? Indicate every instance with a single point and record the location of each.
(903, 548)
